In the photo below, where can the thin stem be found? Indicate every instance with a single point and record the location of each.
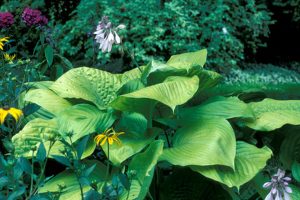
(80, 186)
(107, 169)
(42, 171)
(32, 171)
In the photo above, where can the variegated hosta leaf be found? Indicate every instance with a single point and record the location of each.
(208, 142)
(143, 165)
(90, 84)
(271, 114)
(171, 93)
(248, 162)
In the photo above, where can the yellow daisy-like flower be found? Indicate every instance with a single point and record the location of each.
(109, 135)
(2, 41)
(14, 112)
(9, 58)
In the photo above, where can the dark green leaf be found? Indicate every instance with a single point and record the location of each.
(80, 147)
(41, 153)
(63, 160)
(49, 54)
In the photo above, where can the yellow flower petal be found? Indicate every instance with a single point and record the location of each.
(103, 142)
(16, 113)
(3, 114)
(110, 140)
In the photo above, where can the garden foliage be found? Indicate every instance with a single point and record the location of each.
(172, 121)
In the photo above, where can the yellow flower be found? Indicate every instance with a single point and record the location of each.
(9, 58)
(14, 112)
(109, 135)
(2, 41)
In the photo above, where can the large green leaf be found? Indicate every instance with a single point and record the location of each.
(290, 148)
(208, 142)
(187, 64)
(131, 143)
(223, 107)
(33, 133)
(143, 165)
(173, 92)
(47, 100)
(271, 114)
(185, 184)
(68, 179)
(249, 161)
(41, 130)
(90, 84)
(188, 60)
(84, 119)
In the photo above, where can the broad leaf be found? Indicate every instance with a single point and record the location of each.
(47, 100)
(90, 84)
(188, 60)
(36, 131)
(143, 165)
(68, 179)
(131, 143)
(289, 150)
(171, 93)
(271, 114)
(183, 183)
(223, 107)
(84, 119)
(249, 161)
(208, 142)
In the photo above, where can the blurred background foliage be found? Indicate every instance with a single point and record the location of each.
(161, 28)
(235, 32)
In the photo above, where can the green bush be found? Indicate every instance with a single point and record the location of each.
(225, 27)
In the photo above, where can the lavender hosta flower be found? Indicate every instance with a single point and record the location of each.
(106, 34)
(279, 187)
(32, 17)
(6, 19)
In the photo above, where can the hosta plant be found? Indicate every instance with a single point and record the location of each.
(185, 135)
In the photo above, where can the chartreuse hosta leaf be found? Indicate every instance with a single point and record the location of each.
(271, 114)
(40, 130)
(188, 60)
(90, 84)
(223, 107)
(208, 142)
(131, 143)
(136, 137)
(84, 119)
(248, 162)
(143, 165)
(178, 65)
(68, 178)
(48, 100)
(171, 93)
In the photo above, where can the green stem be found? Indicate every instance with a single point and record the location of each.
(42, 172)
(107, 169)
(32, 171)
(80, 186)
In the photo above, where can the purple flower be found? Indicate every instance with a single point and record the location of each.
(279, 187)
(6, 19)
(106, 35)
(32, 17)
